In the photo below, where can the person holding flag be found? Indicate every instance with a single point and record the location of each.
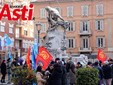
(43, 57)
(7, 43)
(101, 56)
(34, 54)
(28, 58)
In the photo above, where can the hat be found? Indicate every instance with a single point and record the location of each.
(57, 59)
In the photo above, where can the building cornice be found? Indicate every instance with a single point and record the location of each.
(59, 1)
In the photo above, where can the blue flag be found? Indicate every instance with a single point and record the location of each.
(7, 40)
(33, 60)
(10, 56)
(35, 48)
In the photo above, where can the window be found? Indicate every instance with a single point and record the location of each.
(25, 32)
(71, 26)
(84, 10)
(43, 27)
(99, 9)
(59, 9)
(42, 13)
(85, 25)
(31, 33)
(70, 11)
(99, 24)
(84, 42)
(11, 28)
(17, 33)
(71, 43)
(2, 26)
(100, 42)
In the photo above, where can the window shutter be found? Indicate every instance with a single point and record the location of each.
(81, 43)
(82, 10)
(67, 43)
(41, 13)
(97, 10)
(67, 11)
(102, 25)
(101, 9)
(86, 10)
(74, 44)
(103, 41)
(96, 41)
(96, 24)
(81, 26)
(72, 10)
(88, 23)
(44, 13)
(74, 26)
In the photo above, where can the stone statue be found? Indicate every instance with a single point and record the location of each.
(55, 40)
(53, 15)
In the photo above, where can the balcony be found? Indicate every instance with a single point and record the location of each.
(18, 37)
(85, 33)
(81, 49)
(19, 24)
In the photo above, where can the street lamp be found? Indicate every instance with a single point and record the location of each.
(38, 29)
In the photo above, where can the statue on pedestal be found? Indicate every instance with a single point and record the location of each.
(55, 40)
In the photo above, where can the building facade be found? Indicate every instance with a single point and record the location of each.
(91, 24)
(20, 32)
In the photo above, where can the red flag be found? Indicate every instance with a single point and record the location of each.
(101, 55)
(43, 57)
(28, 58)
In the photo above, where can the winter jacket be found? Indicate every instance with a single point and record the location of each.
(40, 80)
(107, 71)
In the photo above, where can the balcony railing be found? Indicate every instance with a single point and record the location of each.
(81, 49)
(88, 32)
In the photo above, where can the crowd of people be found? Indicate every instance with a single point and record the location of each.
(60, 72)
(63, 72)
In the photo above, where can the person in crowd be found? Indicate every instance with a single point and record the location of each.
(71, 69)
(107, 70)
(100, 63)
(49, 71)
(63, 61)
(39, 76)
(57, 73)
(111, 65)
(9, 70)
(3, 71)
(89, 65)
(101, 75)
(14, 62)
(78, 65)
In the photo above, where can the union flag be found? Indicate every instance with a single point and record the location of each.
(43, 57)
(28, 58)
(101, 56)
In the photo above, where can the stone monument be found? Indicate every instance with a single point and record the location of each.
(55, 40)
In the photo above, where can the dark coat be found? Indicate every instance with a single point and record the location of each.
(107, 71)
(56, 76)
(3, 68)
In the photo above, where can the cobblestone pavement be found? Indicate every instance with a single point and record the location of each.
(6, 81)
